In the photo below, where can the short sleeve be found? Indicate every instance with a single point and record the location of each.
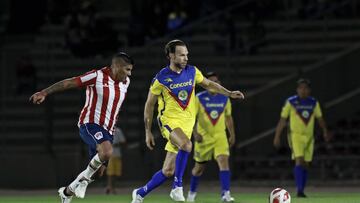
(86, 79)
(198, 76)
(317, 110)
(285, 112)
(228, 108)
(156, 87)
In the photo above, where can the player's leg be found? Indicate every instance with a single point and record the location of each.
(100, 150)
(308, 156)
(157, 179)
(298, 145)
(179, 139)
(222, 153)
(196, 173)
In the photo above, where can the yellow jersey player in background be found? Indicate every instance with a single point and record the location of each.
(301, 109)
(173, 89)
(211, 141)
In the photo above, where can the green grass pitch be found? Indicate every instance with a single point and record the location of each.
(202, 198)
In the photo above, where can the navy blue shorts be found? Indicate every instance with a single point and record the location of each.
(93, 134)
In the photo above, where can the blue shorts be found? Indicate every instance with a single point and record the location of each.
(93, 134)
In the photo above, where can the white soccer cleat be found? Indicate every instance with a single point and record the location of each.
(136, 198)
(227, 197)
(177, 194)
(191, 197)
(63, 197)
(81, 188)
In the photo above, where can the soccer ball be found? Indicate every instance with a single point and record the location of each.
(279, 195)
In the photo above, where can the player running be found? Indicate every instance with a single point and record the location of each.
(173, 89)
(105, 92)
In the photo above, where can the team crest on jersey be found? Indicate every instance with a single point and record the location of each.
(183, 95)
(214, 114)
(98, 135)
(305, 114)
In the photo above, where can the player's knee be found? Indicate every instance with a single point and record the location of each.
(168, 172)
(106, 154)
(186, 146)
(198, 171)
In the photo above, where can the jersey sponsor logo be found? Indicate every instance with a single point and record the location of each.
(214, 114)
(98, 135)
(182, 84)
(183, 95)
(209, 105)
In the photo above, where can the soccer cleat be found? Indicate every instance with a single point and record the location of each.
(136, 198)
(63, 197)
(191, 197)
(177, 194)
(226, 197)
(301, 195)
(81, 188)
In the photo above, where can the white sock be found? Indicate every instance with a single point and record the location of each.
(90, 170)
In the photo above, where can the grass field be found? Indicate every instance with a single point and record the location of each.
(202, 198)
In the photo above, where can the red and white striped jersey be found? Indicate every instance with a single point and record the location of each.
(104, 97)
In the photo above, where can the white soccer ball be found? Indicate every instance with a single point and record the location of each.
(279, 195)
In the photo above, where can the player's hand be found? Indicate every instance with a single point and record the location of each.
(236, 95)
(150, 141)
(38, 97)
(231, 141)
(198, 137)
(277, 143)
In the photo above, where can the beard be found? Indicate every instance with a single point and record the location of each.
(180, 65)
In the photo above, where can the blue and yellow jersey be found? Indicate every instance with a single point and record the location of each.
(212, 110)
(176, 101)
(302, 113)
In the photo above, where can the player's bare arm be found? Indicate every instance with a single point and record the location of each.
(210, 85)
(279, 128)
(230, 126)
(148, 117)
(323, 126)
(39, 97)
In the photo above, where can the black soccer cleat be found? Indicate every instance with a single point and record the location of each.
(301, 195)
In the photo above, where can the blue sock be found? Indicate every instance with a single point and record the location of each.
(305, 177)
(225, 181)
(194, 183)
(299, 178)
(180, 165)
(157, 179)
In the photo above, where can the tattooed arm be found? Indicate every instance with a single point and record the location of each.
(66, 84)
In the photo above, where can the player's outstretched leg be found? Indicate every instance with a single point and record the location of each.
(196, 173)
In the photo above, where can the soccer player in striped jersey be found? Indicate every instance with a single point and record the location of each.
(211, 141)
(173, 89)
(105, 92)
(302, 110)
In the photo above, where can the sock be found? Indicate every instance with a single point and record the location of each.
(93, 166)
(194, 183)
(180, 165)
(299, 178)
(225, 181)
(157, 179)
(305, 176)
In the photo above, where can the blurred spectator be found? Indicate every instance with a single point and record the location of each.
(114, 169)
(176, 18)
(26, 76)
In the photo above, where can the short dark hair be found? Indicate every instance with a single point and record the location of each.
(171, 46)
(211, 74)
(124, 57)
(304, 81)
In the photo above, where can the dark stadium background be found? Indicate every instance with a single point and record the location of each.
(259, 46)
